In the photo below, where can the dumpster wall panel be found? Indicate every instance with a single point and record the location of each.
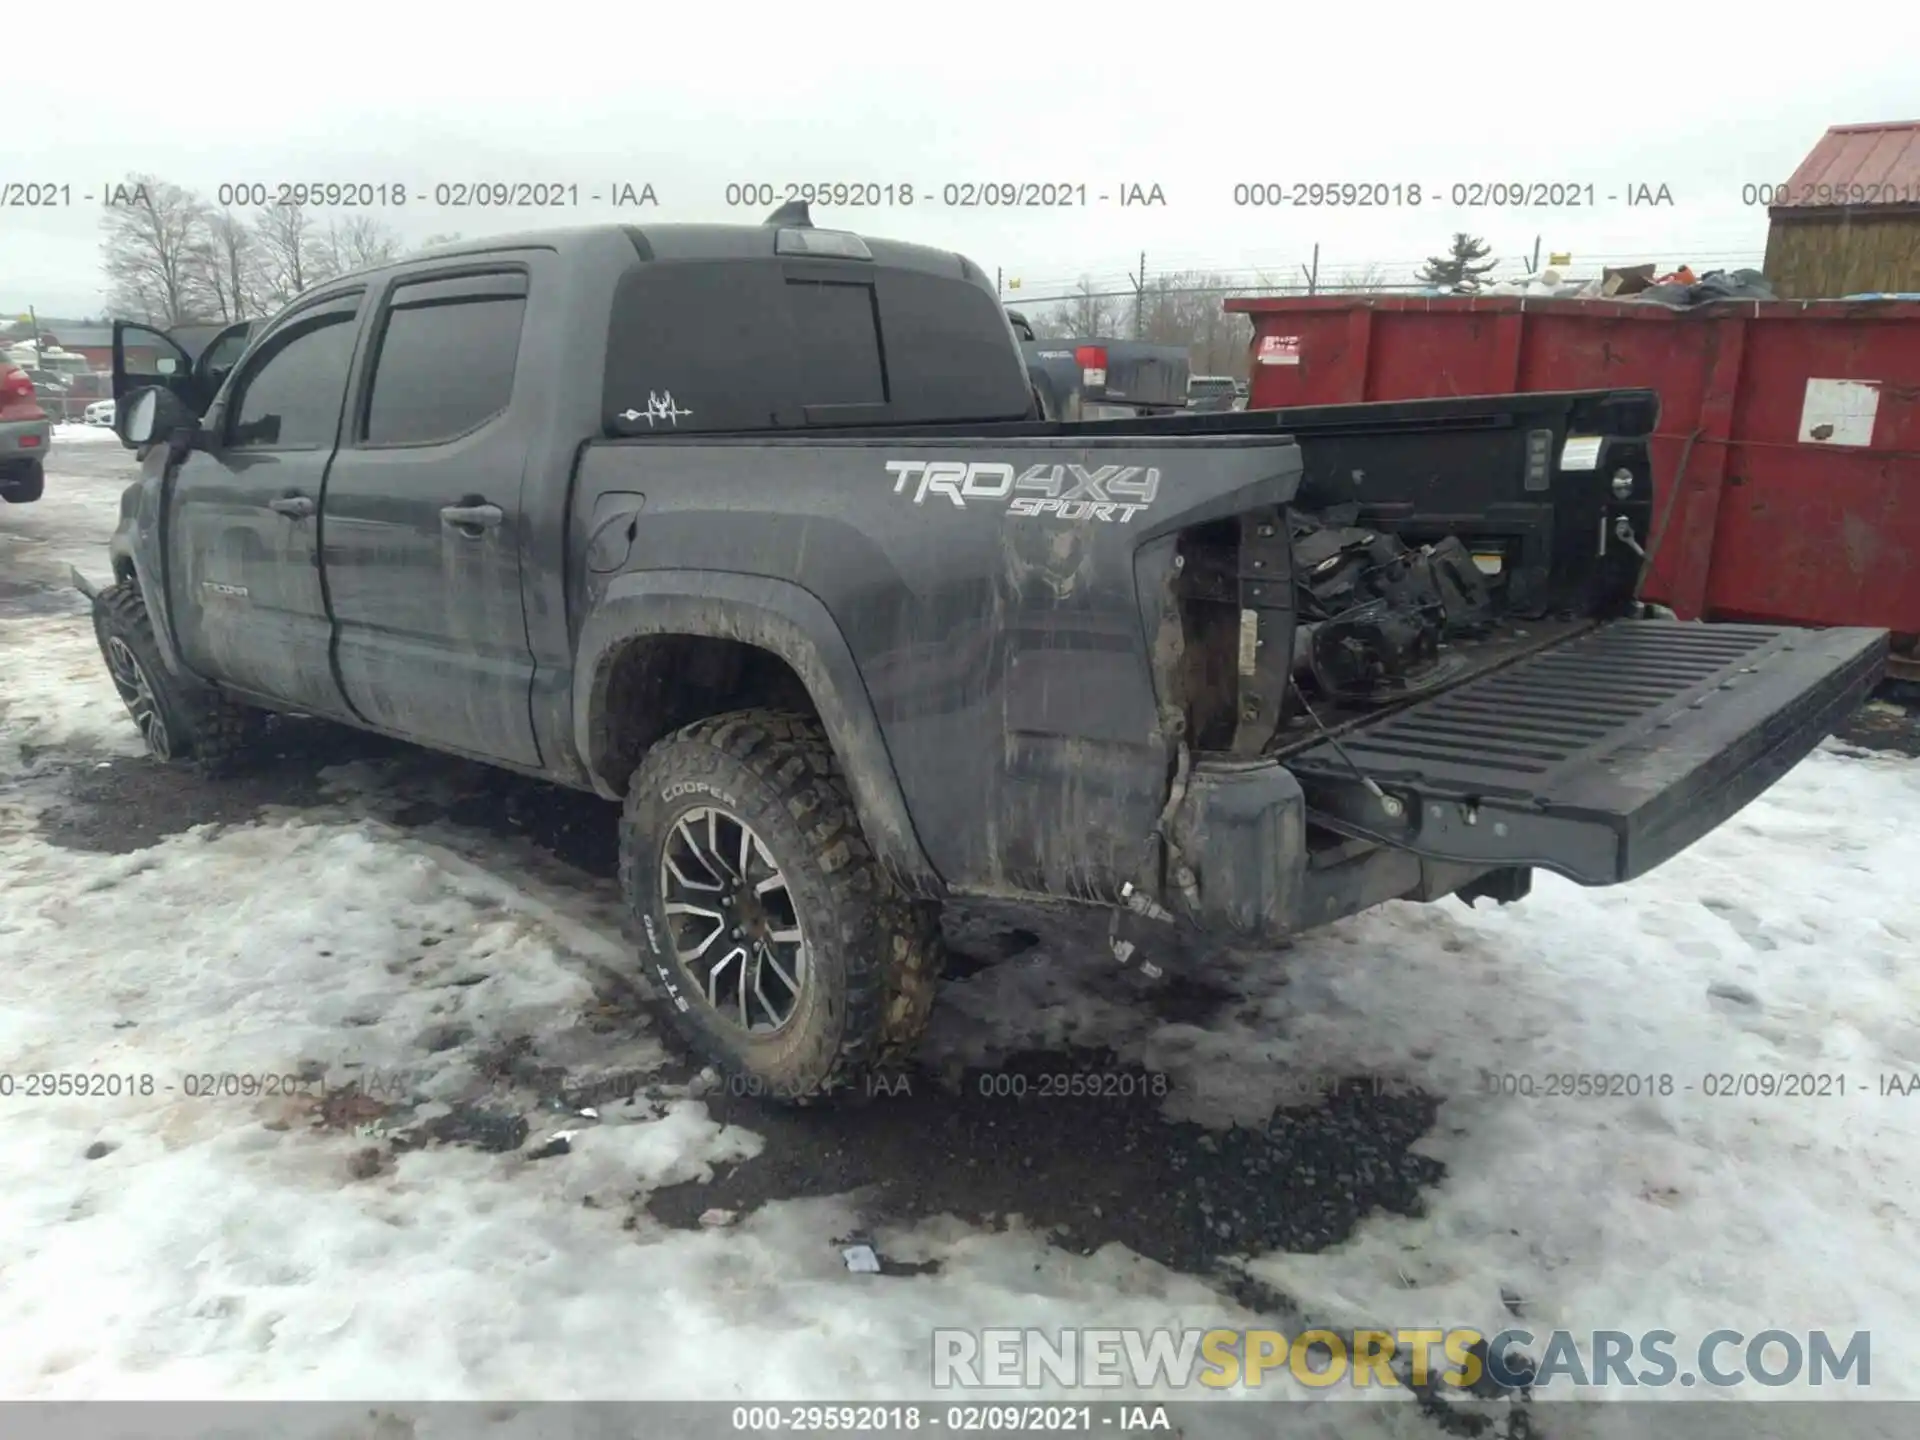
(1792, 430)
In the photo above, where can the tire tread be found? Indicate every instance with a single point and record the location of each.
(889, 942)
(221, 735)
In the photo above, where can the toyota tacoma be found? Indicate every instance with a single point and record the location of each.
(760, 533)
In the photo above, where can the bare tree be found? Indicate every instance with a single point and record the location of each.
(1364, 279)
(152, 247)
(1089, 312)
(225, 267)
(286, 253)
(355, 243)
(171, 258)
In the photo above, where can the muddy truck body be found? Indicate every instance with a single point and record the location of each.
(759, 533)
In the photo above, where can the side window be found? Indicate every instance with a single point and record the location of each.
(446, 359)
(219, 357)
(289, 397)
(148, 356)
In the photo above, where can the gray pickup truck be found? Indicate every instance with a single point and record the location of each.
(1097, 378)
(757, 533)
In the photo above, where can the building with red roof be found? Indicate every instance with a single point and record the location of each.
(1848, 221)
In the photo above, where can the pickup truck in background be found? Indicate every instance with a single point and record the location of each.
(1210, 393)
(1102, 379)
(757, 533)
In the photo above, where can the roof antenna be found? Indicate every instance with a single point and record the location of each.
(792, 215)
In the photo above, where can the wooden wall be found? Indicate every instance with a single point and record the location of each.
(1823, 254)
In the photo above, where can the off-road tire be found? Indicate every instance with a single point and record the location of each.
(206, 730)
(874, 952)
(23, 485)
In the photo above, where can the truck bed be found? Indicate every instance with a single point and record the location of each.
(1508, 644)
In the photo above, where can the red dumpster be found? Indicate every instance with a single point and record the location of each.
(1789, 438)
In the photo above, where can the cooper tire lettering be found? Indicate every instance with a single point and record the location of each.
(698, 787)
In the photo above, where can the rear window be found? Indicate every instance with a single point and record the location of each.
(841, 332)
(773, 343)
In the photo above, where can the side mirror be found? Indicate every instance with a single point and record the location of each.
(152, 413)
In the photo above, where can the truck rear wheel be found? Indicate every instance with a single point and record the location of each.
(23, 484)
(777, 948)
(180, 722)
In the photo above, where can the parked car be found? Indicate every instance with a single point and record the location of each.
(757, 532)
(25, 433)
(100, 412)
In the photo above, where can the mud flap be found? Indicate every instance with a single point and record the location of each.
(1600, 758)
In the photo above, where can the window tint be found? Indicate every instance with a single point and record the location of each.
(290, 397)
(141, 353)
(841, 337)
(220, 357)
(445, 366)
(747, 345)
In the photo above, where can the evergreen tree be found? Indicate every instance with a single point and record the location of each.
(1460, 270)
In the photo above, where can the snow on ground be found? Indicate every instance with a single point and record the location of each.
(75, 434)
(217, 1246)
(1787, 944)
(241, 1245)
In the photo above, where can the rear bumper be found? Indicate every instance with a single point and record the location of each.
(22, 440)
(1250, 875)
(1598, 760)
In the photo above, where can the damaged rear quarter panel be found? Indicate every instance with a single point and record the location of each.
(1003, 646)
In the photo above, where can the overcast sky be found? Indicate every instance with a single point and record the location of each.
(1703, 99)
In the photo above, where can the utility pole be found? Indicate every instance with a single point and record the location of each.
(1534, 268)
(33, 319)
(1139, 293)
(1313, 275)
(999, 279)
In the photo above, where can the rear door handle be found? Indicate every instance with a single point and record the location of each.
(297, 507)
(471, 518)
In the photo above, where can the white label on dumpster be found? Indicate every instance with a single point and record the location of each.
(1581, 452)
(1839, 412)
(1279, 350)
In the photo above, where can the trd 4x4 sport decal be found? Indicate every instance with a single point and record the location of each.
(1113, 493)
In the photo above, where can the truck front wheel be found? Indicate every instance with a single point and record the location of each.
(777, 948)
(178, 720)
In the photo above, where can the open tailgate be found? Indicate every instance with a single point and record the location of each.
(1599, 758)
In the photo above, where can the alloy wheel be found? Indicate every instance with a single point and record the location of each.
(730, 912)
(130, 679)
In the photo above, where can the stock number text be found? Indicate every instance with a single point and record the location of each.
(1375, 194)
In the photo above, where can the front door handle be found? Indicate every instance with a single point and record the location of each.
(470, 519)
(297, 507)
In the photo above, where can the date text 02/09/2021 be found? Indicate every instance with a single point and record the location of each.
(291, 1081)
(955, 194)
